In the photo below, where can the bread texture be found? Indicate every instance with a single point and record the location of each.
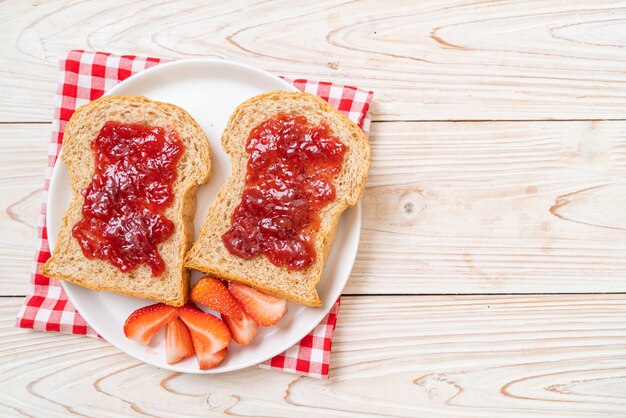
(209, 254)
(68, 261)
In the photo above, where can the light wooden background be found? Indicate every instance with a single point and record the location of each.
(491, 276)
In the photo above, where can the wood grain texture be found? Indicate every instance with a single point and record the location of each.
(553, 356)
(427, 60)
(497, 207)
(506, 207)
(23, 162)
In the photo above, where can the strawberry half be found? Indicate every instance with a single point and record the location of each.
(213, 294)
(243, 330)
(265, 309)
(142, 324)
(210, 360)
(208, 333)
(178, 344)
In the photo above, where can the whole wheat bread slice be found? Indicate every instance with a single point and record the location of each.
(208, 253)
(68, 262)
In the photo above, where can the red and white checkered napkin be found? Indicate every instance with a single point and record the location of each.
(85, 76)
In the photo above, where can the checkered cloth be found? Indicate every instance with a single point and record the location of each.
(85, 76)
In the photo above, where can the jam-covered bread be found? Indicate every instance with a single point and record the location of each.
(134, 165)
(297, 164)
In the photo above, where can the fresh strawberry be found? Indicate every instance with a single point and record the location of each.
(208, 333)
(210, 360)
(243, 330)
(213, 294)
(142, 324)
(265, 309)
(178, 344)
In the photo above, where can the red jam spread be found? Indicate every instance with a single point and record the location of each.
(289, 179)
(123, 221)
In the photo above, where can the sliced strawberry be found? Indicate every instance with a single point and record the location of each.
(243, 330)
(210, 360)
(213, 294)
(178, 344)
(208, 333)
(265, 309)
(142, 324)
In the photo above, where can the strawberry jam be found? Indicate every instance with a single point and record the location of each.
(289, 179)
(123, 221)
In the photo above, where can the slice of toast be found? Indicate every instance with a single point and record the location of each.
(209, 254)
(68, 261)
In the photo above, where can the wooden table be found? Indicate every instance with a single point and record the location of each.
(491, 275)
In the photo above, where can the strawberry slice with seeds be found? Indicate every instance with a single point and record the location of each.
(210, 360)
(243, 330)
(178, 344)
(208, 333)
(213, 294)
(142, 324)
(265, 309)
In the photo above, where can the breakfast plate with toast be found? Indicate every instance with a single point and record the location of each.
(204, 215)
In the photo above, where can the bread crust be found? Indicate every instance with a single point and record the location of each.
(68, 262)
(208, 253)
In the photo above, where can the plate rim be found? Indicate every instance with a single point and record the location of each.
(68, 287)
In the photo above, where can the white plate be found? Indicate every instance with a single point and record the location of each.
(209, 90)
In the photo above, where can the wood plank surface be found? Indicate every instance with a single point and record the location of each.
(23, 163)
(506, 207)
(427, 60)
(498, 356)
(495, 207)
